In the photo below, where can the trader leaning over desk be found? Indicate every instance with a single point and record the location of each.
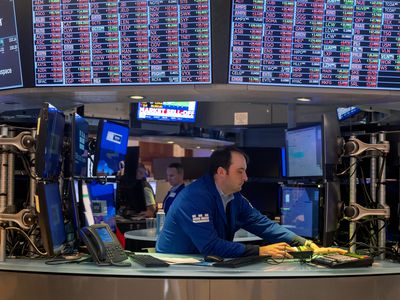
(208, 212)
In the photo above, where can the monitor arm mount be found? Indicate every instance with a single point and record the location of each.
(355, 147)
(25, 218)
(355, 212)
(24, 141)
(377, 149)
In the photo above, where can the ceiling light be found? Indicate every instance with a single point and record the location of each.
(303, 99)
(136, 97)
(170, 142)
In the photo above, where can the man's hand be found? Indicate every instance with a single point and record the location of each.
(278, 250)
(323, 250)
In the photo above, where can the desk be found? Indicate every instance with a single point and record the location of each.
(23, 279)
(136, 240)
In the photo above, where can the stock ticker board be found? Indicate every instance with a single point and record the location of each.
(121, 42)
(321, 43)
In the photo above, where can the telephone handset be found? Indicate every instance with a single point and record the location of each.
(103, 245)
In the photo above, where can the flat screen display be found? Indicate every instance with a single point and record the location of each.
(184, 111)
(79, 147)
(304, 152)
(50, 138)
(344, 113)
(51, 219)
(10, 63)
(300, 210)
(121, 42)
(111, 148)
(325, 43)
(102, 203)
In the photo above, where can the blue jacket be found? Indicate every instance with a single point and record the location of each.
(197, 223)
(170, 197)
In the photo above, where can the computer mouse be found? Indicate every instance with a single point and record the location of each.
(213, 258)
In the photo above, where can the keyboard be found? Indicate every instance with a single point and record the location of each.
(239, 261)
(343, 260)
(148, 260)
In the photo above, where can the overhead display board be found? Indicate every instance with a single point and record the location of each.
(10, 63)
(127, 42)
(320, 43)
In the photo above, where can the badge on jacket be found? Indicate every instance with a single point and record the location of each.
(200, 218)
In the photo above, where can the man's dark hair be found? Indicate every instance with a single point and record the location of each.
(178, 166)
(223, 158)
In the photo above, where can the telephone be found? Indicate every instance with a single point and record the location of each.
(103, 245)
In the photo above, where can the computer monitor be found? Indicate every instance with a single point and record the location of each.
(102, 201)
(50, 134)
(79, 146)
(111, 148)
(51, 218)
(304, 150)
(300, 210)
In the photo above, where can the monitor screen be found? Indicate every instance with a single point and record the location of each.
(323, 43)
(72, 211)
(102, 203)
(111, 148)
(79, 146)
(344, 113)
(304, 156)
(184, 111)
(50, 135)
(10, 63)
(121, 42)
(300, 210)
(51, 219)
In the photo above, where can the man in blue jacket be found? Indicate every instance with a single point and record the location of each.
(208, 212)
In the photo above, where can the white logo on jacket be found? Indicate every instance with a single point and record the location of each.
(200, 218)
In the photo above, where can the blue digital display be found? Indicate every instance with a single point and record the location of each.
(178, 111)
(103, 203)
(80, 128)
(300, 210)
(49, 142)
(55, 218)
(344, 113)
(112, 143)
(104, 235)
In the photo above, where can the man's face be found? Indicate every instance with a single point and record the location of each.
(173, 177)
(235, 177)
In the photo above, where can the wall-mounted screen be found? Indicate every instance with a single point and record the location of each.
(344, 113)
(322, 43)
(124, 42)
(184, 111)
(10, 63)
